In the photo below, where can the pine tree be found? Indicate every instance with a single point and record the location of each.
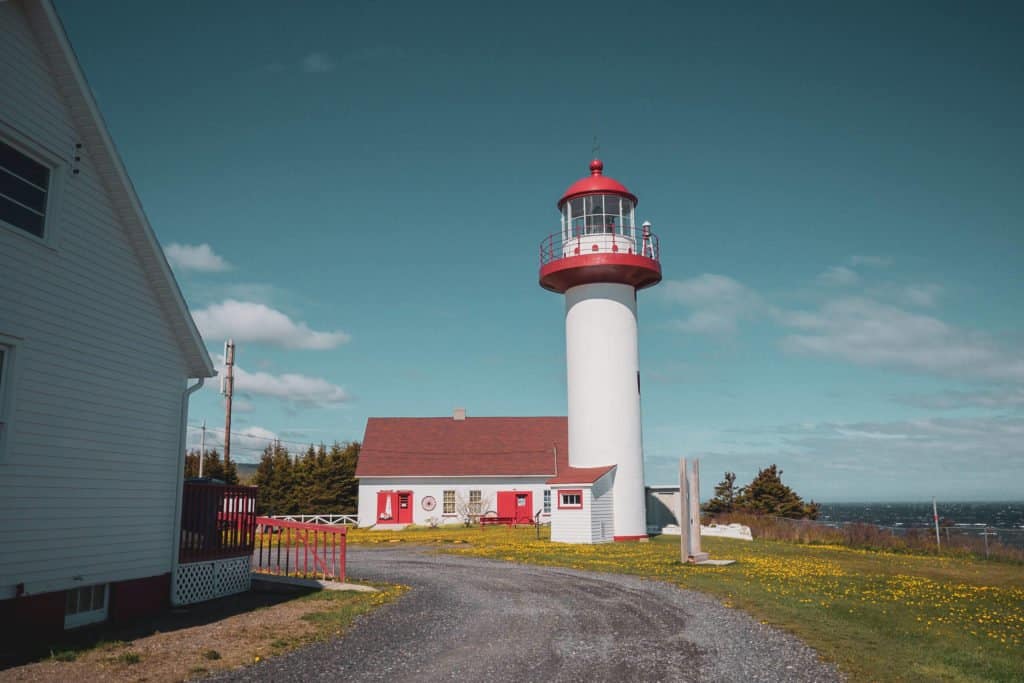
(725, 495)
(767, 495)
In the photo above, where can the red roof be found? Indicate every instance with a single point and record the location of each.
(580, 475)
(596, 183)
(475, 446)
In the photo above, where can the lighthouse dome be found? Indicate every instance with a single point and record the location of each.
(596, 183)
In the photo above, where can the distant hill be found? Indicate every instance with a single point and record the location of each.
(246, 470)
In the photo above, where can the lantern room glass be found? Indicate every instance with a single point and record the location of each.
(598, 214)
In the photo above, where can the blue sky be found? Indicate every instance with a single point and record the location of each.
(357, 191)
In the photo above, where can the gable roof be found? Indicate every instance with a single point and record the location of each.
(75, 90)
(475, 446)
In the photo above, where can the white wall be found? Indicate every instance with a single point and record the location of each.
(88, 471)
(594, 523)
(604, 397)
(429, 486)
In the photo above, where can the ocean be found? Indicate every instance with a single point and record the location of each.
(1004, 515)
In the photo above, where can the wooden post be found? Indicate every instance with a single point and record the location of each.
(684, 515)
(229, 390)
(689, 513)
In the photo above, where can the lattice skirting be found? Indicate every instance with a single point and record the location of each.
(199, 581)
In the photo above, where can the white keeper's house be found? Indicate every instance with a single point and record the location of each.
(441, 470)
(96, 350)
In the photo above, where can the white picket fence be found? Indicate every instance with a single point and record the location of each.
(335, 520)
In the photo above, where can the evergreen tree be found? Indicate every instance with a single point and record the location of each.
(767, 495)
(725, 495)
(275, 478)
(213, 467)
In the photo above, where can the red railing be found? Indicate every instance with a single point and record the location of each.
(299, 549)
(217, 521)
(555, 246)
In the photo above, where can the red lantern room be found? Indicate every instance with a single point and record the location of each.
(599, 240)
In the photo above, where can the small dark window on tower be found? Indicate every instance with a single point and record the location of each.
(638, 381)
(24, 183)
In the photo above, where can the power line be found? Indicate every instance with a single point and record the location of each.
(268, 439)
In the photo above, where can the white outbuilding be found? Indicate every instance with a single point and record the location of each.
(96, 349)
(448, 470)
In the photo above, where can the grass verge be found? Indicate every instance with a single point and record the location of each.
(880, 616)
(201, 639)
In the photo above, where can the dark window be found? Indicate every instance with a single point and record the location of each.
(571, 500)
(24, 183)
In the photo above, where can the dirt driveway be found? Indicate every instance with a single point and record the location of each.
(473, 619)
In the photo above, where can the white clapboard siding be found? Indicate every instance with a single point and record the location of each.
(436, 486)
(88, 471)
(571, 525)
(602, 519)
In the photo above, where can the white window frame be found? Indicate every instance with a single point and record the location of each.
(476, 506)
(58, 166)
(92, 616)
(547, 502)
(8, 369)
(448, 506)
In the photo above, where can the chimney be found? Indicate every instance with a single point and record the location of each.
(459, 414)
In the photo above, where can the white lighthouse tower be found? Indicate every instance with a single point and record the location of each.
(598, 260)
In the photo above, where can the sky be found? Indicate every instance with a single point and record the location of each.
(356, 193)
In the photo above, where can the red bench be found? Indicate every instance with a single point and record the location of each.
(509, 521)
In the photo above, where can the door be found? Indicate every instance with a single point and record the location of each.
(516, 505)
(404, 515)
(385, 507)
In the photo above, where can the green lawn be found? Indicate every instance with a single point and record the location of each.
(878, 616)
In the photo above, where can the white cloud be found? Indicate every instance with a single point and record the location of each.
(980, 398)
(317, 62)
(921, 295)
(871, 261)
(839, 276)
(246, 444)
(290, 387)
(952, 458)
(717, 303)
(199, 257)
(866, 332)
(247, 321)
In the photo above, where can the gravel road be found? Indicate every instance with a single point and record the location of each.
(473, 619)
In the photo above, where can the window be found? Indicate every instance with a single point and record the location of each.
(24, 190)
(448, 503)
(547, 501)
(85, 605)
(474, 503)
(570, 500)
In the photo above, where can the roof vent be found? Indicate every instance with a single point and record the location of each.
(459, 414)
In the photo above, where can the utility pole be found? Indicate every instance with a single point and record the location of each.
(935, 516)
(228, 388)
(202, 449)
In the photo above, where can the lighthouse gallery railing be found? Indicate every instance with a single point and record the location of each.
(555, 246)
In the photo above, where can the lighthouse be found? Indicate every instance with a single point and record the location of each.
(598, 260)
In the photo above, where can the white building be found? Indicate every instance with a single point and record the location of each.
(441, 470)
(96, 347)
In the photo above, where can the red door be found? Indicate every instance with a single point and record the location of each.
(516, 505)
(404, 515)
(385, 507)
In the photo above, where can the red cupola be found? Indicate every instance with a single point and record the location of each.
(599, 240)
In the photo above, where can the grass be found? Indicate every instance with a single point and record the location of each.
(880, 616)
